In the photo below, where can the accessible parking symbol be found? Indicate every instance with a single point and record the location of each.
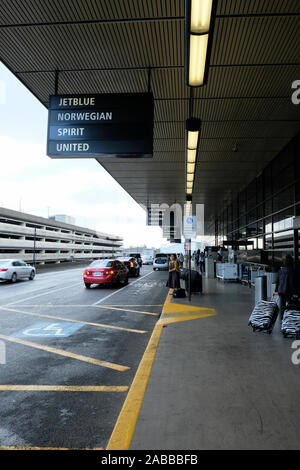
(49, 330)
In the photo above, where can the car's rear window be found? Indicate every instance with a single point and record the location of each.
(161, 260)
(101, 264)
(4, 263)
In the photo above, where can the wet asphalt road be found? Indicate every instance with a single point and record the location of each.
(58, 333)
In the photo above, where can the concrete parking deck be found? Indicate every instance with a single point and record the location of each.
(217, 385)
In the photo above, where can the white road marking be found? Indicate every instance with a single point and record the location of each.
(128, 285)
(44, 293)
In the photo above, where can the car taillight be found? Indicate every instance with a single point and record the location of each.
(111, 271)
(132, 264)
(4, 269)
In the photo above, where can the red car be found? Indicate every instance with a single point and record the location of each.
(105, 272)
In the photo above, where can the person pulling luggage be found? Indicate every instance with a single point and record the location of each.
(285, 286)
(202, 262)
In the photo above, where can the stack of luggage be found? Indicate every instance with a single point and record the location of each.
(290, 327)
(263, 316)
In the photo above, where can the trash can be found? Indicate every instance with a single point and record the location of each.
(260, 288)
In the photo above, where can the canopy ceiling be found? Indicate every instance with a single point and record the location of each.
(107, 46)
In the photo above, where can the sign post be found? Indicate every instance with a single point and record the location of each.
(189, 231)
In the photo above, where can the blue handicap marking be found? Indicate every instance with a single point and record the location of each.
(48, 329)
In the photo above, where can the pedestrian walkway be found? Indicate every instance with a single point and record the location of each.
(215, 384)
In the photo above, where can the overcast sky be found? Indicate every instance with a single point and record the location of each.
(39, 185)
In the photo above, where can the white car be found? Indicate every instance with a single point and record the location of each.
(147, 259)
(161, 263)
(15, 269)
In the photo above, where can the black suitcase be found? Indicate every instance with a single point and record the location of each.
(196, 282)
(196, 286)
(179, 293)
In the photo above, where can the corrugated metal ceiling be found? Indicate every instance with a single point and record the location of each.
(106, 46)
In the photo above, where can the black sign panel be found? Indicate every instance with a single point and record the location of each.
(87, 126)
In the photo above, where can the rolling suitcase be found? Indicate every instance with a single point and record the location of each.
(196, 282)
(290, 326)
(263, 316)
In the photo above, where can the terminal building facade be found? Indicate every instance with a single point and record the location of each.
(265, 215)
(32, 238)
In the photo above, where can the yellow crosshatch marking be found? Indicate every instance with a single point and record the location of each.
(63, 388)
(61, 352)
(101, 325)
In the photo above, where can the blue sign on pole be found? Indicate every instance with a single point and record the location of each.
(189, 227)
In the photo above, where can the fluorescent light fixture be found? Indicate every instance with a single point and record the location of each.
(193, 127)
(199, 25)
(190, 167)
(198, 51)
(200, 15)
(191, 156)
(193, 140)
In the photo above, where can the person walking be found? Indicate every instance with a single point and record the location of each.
(285, 286)
(202, 262)
(174, 273)
(197, 260)
(181, 260)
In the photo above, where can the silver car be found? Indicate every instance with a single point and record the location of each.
(15, 269)
(161, 263)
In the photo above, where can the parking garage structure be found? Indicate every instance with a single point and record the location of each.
(41, 240)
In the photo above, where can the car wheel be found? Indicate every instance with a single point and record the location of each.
(14, 278)
(32, 275)
(87, 285)
(126, 281)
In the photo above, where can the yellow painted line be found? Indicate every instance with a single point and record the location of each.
(63, 388)
(61, 352)
(124, 428)
(105, 307)
(100, 325)
(121, 436)
(71, 305)
(44, 448)
(154, 305)
(126, 310)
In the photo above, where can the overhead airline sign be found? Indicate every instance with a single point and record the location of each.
(87, 126)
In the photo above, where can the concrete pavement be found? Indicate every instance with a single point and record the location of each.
(215, 384)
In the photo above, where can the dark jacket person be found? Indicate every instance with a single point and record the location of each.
(174, 273)
(285, 286)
